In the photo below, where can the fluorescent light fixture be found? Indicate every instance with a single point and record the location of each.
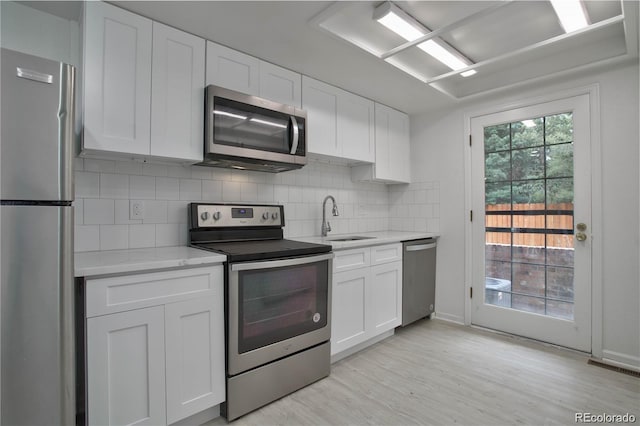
(268, 123)
(398, 21)
(446, 57)
(401, 23)
(528, 123)
(571, 14)
(228, 114)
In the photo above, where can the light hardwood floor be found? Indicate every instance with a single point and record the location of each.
(438, 373)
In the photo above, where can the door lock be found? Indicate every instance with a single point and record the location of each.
(580, 235)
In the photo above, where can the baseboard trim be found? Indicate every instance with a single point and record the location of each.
(621, 360)
(448, 317)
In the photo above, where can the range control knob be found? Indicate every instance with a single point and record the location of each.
(204, 215)
(216, 216)
(274, 216)
(265, 215)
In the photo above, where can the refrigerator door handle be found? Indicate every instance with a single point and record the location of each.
(66, 118)
(34, 75)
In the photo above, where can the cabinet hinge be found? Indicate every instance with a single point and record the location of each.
(470, 215)
(471, 292)
(469, 140)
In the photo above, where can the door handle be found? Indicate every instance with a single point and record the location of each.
(581, 235)
(296, 135)
(421, 247)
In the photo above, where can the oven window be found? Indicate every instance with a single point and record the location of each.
(280, 303)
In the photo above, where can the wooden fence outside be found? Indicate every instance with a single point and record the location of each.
(532, 221)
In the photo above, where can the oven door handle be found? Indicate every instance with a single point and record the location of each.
(269, 264)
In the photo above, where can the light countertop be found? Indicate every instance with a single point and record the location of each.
(94, 263)
(379, 237)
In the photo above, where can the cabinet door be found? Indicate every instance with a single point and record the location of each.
(349, 309)
(233, 70)
(195, 355)
(117, 91)
(392, 145)
(126, 368)
(321, 102)
(177, 108)
(356, 127)
(280, 85)
(383, 142)
(386, 297)
(399, 147)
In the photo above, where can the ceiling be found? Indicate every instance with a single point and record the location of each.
(514, 44)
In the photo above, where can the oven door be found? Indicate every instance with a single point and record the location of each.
(277, 308)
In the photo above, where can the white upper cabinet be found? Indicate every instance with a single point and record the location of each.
(177, 104)
(243, 73)
(340, 124)
(117, 92)
(321, 102)
(233, 70)
(280, 84)
(126, 57)
(392, 149)
(356, 127)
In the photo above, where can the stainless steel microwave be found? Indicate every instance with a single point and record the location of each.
(250, 133)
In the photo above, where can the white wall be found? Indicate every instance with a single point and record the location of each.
(438, 149)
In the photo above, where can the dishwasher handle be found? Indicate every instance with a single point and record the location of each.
(420, 247)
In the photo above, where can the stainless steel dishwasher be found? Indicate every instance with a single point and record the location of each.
(418, 279)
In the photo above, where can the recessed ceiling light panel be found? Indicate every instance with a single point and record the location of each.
(571, 13)
(401, 23)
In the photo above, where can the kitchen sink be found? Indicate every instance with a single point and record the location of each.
(349, 238)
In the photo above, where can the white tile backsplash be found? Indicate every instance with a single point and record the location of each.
(86, 237)
(415, 207)
(104, 190)
(142, 236)
(113, 237)
(190, 189)
(142, 187)
(87, 184)
(98, 211)
(113, 185)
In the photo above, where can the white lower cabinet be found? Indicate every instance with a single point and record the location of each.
(125, 368)
(386, 296)
(348, 309)
(154, 364)
(366, 294)
(194, 352)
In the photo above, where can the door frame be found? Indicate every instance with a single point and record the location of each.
(593, 93)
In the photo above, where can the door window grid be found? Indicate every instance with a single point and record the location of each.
(529, 209)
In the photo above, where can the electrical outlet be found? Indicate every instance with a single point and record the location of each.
(136, 210)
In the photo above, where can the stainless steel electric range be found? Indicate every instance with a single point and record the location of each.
(277, 302)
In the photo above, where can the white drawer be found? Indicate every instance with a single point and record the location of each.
(346, 260)
(123, 293)
(385, 254)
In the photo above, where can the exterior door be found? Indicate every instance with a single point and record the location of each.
(531, 222)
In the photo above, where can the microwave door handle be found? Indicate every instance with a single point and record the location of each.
(296, 135)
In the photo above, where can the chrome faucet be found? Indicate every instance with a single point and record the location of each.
(326, 227)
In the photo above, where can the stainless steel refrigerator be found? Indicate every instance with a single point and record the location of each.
(36, 179)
